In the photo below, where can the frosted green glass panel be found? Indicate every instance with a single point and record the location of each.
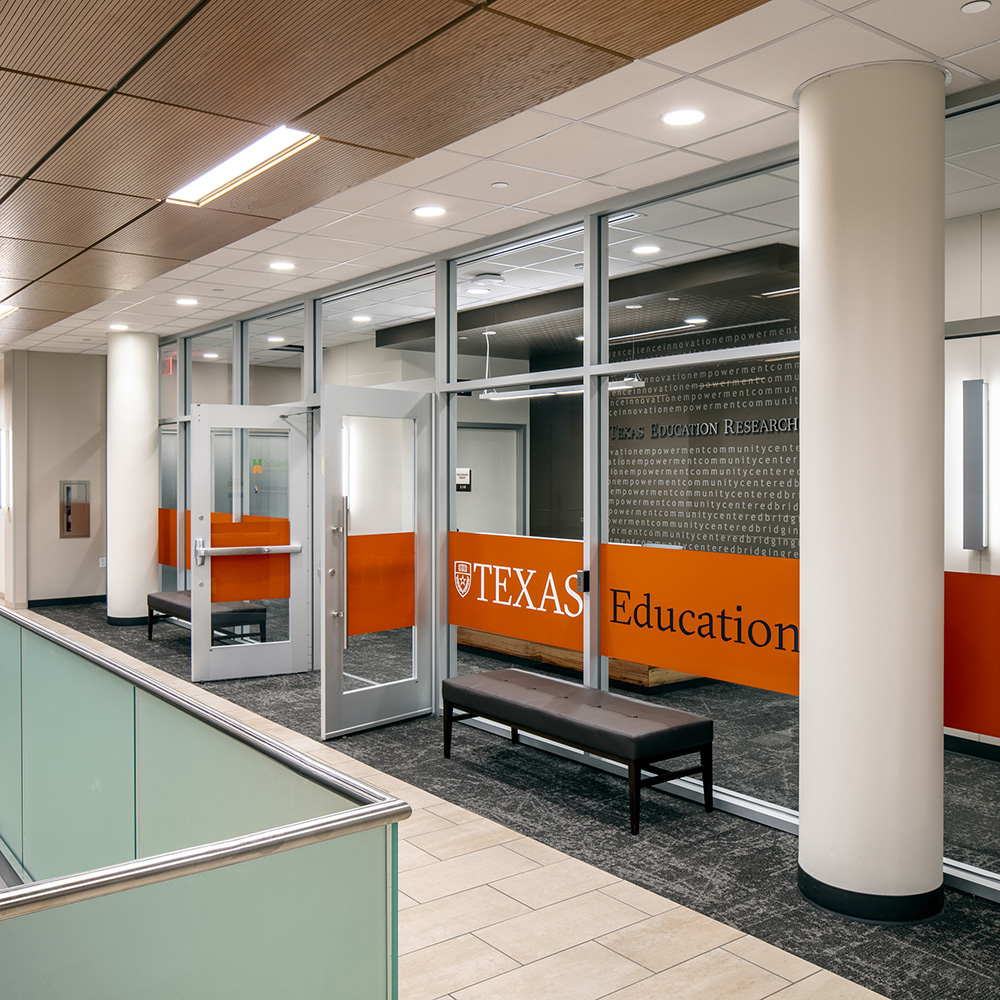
(10, 735)
(196, 785)
(78, 761)
(307, 924)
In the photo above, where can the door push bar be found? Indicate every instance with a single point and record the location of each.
(201, 550)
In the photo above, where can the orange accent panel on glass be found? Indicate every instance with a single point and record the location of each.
(516, 586)
(731, 617)
(380, 582)
(250, 578)
(166, 544)
(971, 653)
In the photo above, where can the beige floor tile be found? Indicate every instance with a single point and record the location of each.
(412, 857)
(456, 814)
(582, 973)
(669, 938)
(416, 797)
(552, 883)
(563, 925)
(463, 838)
(404, 902)
(641, 899)
(789, 967)
(430, 923)
(716, 975)
(421, 821)
(541, 853)
(826, 986)
(464, 872)
(447, 967)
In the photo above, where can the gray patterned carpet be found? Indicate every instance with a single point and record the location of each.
(731, 869)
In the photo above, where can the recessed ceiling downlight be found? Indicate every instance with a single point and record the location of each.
(187, 302)
(695, 320)
(644, 249)
(361, 318)
(118, 327)
(477, 291)
(683, 116)
(275, 340)
(281, 265)
(975, 6)
(210, 356)
(428, 211)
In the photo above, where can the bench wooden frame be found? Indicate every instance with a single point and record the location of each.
(456, 710)
(226, 615)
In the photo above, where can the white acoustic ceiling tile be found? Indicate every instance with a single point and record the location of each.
(224, 257)
(305, 250)
(300, 286)
(263, 239)
(371, 229)
(668, 247)
(958, 179)
(580, 151)
(739, 34)
(791, 172)
(477, 182)
(262, 296)
(748, 192)
(777, 70)
(963, 79)
(981, 161)
(357, 199)
(656, 170)
(972, 202)
(754, 244)
(724, 111)
(387, 257)
(240, 277)
(781, 130)
(526, 256)
(436, 240)
(656, 218)
(620, 85)
(457, 209)
(983, 61)
(778, 213)
(940, 28)
(723, 230)
(525, 278)
(428, 168)
(520, 128)
(841, 5)
(307, 221)
(575, 196)
(500, 221)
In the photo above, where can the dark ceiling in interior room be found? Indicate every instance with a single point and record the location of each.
(725, 289)
(108, 106)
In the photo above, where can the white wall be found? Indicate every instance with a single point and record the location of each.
(972, 266)
(66, 427)
(362, 363)
(269, 385)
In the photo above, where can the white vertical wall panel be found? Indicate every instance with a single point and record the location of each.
(963, 268)
(991, 264)
(962, 360)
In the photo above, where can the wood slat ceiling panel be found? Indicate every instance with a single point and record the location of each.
(34, 114)
(182, 232)
(145, 148)
(633, 27)
(91, 42)
(25, 260)
(112, 270)
(48, 295)
(6, 183)
(319, 171)
(482, 70)
(8, 286)
(55, 213)
(26, 321)
(268, 60)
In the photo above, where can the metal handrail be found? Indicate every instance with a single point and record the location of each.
(376, 808)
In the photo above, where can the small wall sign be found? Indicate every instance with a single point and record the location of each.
(463, 480)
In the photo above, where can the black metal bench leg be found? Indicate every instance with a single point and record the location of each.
(633, 795)
(263, 632)
(515, 736)
(706, 776)
(447, 728)
(149, 626)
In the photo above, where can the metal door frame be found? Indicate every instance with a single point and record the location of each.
(293, 655)
(349, 711)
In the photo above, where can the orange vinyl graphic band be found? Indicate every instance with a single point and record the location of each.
(971, 654)
(380, 582)
(731, 617)
(516, 586)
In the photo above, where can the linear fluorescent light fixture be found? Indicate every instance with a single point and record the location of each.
(653, 333)
(629, 382)
(249, 162)
(779, 292)
(543, 390)
(7, 310)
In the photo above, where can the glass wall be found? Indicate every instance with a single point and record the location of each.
(210, 362)
(275, 349)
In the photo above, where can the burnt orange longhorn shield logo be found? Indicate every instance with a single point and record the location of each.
(463, 577)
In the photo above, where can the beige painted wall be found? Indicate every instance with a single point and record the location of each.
(66, 422)
(972, 266)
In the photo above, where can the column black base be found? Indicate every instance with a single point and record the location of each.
(872, 908)
(141, 620)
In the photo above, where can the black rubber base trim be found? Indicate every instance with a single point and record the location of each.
(141, 620)
(54, 602)
(872, 908)
(971, 748)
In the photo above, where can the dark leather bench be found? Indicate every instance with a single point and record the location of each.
(226, 615)
(632, 732)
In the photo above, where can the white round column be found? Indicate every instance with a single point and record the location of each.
(872, 471)
(133, 475)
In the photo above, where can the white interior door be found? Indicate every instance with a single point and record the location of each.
(250, 548)
(376, 557)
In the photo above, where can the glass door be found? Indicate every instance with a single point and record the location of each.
(377, 557)
(250, 552)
